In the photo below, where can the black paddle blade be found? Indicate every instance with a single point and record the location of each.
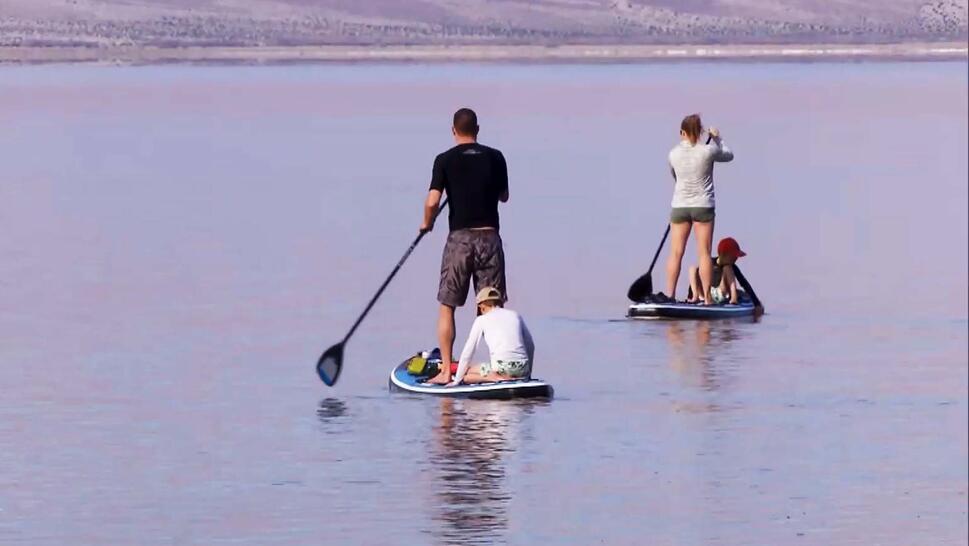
(641, 288)
(330, 364)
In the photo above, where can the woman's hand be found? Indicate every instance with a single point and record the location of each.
(714, 132)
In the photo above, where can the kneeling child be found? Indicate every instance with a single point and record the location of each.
(724, 287)
(509, 342)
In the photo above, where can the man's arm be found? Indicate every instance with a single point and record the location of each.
(433, 201)
(502, 178)
(431, 204)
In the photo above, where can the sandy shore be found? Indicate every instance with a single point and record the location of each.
(482, 53)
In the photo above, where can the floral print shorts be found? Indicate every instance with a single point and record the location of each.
(509, 368)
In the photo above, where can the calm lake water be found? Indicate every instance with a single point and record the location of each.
(178, 245)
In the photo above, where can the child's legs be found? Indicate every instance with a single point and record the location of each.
(694, 274)
(474, 375)
(728, 283)
(727, 278)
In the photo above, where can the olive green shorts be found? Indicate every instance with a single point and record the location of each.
(681, 215)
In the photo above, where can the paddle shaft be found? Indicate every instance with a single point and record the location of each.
(392, 275)
(658, 250)
(746, 286)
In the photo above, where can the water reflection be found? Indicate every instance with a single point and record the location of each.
(689, 353)
(698, 350)
(469, 465)
(331, 409)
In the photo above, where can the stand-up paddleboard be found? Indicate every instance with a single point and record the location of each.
(402, 381)
(683, 310)
(649, 308)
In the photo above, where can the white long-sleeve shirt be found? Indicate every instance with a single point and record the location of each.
(692, 167)
(506, 335)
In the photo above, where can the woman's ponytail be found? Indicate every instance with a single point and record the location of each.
(692, 127)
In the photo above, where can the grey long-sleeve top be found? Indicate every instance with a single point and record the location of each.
(692, 168)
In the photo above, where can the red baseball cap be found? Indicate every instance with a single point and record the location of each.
(729, 246)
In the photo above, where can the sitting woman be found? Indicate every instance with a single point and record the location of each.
(509, 342)
(724, 287)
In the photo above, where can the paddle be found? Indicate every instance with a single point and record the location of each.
(749, 289)
(643, 286)
(331, 362)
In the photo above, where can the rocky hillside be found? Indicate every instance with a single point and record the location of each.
(319, 22)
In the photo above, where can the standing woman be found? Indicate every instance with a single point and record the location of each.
(693, 201)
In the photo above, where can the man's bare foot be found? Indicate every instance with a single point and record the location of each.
(442, 378)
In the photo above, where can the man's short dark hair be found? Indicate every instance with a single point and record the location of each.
(466, 122)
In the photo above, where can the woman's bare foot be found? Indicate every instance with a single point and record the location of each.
(442, 378)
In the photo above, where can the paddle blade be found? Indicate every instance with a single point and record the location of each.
(641, 288)
(329, 365)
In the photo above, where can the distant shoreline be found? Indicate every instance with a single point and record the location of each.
(939, 51)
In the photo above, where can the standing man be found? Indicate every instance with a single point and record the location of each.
(475, 178)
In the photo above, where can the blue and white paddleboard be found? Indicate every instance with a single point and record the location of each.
(682, 310)
(402, 381)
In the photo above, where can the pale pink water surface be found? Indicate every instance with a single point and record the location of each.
(178, 244)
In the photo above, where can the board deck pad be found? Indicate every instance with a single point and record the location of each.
(402, 381)
(683, 310)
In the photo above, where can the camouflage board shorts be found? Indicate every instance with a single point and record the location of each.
(471, 255)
